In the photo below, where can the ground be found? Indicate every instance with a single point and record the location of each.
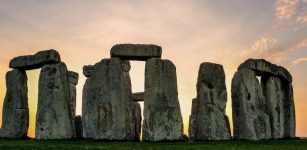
(84, 144)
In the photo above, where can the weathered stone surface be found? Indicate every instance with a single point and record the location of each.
(136, 51)
(54, 119)
(73, 77)
(133, 121)
(162, 115)
(279, 107)
(35, 61)
(106, 98)
(15, 114)
(209, 120)
(88, 70)
(274, 98)
(126, 65)
(138, 97)
(78, 125)
(248, 107)
(261, 66)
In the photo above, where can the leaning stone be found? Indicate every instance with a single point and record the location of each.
(78, 124)
(88, 70)
(261, 66)
(105, 98)
(136, 51)
(35, 61)
(162, 115)
(138, 97)
(54, 117)
(15, 114)
(209, 119)
(248, 103)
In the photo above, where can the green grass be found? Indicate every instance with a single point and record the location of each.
(84, 144)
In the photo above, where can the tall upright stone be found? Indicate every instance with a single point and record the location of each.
(248, 107)
(106, 96)
(208, 120)
(263, 108)
(162, 115)
(73, 79)
(15, 114)
(54, 112)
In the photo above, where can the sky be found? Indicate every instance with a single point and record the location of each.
(190, 32)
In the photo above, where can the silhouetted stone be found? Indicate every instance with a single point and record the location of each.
(54, 115)
(35, 61)
(78, 125)
(162, 115)
(133, 121)
(105, 102)
(138, 97)
(88, 70)
(209, 121)
(15, 114)
(136, 51)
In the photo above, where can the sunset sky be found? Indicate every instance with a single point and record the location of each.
(190, 32)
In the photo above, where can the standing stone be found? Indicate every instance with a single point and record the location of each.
(276, 93)
(35, 61)
(209, 121)
(73, 78)
(248, 103)
(104, 103)
(162, 115)
(78, 125)
(54, 112)
(136, 51)
(15, 114)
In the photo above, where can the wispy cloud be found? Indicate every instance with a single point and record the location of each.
(299, 60)
(261, 45)
(285, 9)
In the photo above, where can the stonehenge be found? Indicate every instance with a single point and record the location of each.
(208, 120)
(261, 98)
(262, 108)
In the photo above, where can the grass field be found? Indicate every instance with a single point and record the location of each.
(83, 144)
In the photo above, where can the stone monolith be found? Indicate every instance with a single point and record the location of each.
(15, 114)
(54, 119)
(209, 120)
(162, 115)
